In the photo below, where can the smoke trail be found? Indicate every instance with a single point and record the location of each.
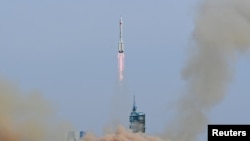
(222, 31)
(120, 100)
(27, 116)
(121, 60)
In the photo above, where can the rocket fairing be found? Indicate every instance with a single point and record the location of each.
(121, 44)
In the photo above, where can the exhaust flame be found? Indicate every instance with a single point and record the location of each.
(121, 60)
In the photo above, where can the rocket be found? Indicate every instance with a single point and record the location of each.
(121, 44)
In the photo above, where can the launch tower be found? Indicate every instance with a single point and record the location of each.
(137, 120)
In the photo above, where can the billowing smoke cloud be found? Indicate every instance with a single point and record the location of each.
(122, 134)
(222, 32)
(27, 116)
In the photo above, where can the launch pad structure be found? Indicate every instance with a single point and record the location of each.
(137, 120)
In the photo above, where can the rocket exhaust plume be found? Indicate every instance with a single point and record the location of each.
(222, 31)
(121, 60)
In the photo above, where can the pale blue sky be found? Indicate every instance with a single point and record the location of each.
(68, 51)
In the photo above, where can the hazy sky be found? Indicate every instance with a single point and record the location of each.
(68, 51)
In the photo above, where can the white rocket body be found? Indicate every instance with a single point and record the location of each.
(121, 43)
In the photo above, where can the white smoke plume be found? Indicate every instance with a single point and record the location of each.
(222, 32)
